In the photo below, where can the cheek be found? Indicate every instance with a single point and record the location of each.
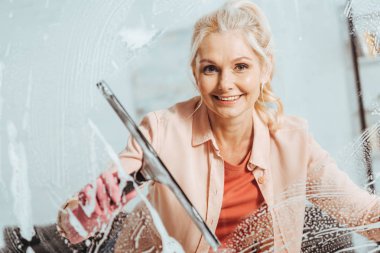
(256, 91)
(251, 84)
(206, 84)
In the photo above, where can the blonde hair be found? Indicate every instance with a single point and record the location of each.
(247, 17)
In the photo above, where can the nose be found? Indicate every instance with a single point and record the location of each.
(226, 80)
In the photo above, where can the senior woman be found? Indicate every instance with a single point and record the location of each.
(232, 151)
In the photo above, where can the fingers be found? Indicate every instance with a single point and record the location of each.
(108, 194)
(111, 181)
(84, 196)
(102, 196)
(105, 195)
(97, 203)
(112, 185)
(128, 197)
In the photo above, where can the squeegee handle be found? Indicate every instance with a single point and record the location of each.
(139, 180)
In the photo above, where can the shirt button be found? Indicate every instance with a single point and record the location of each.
(250, 167)
(261, 180)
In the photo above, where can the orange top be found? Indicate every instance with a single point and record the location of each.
(241, 197)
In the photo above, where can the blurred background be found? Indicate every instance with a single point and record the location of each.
(52, 53)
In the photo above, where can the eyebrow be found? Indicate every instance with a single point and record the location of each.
(236, 59)
(242, 58)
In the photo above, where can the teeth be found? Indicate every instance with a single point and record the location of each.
(228, 98)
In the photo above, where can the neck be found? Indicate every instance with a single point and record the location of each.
(235, 134)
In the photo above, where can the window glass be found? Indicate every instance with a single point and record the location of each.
(58, 133)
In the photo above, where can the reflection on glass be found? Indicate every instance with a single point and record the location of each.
(257, 176)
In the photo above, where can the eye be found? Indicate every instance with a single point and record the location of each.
(241, 67)
(209, 69)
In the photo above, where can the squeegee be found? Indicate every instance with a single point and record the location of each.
(154, 169)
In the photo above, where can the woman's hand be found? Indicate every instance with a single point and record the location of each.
(103, 198)
(95, 207)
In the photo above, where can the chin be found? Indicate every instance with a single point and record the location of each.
(229, 115)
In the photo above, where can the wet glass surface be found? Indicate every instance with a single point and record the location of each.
(57, 130)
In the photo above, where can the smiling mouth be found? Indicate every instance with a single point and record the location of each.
(227, 98)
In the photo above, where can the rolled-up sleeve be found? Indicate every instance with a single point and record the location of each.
(131, 157)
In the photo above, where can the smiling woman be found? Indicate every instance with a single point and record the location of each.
(229, 75)
(254, 167)
(228, 72)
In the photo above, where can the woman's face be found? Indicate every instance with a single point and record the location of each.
(228, 75)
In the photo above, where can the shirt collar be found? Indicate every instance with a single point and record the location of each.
(201, 127)
(261, 136)
(260, 152)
